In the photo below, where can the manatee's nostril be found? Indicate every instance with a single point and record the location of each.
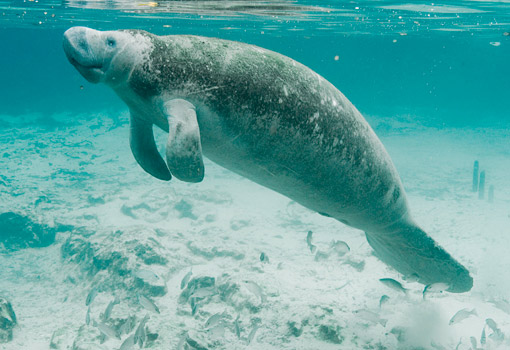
(81, 43)
(76, 38)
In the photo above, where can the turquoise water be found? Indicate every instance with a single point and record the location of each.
(432, 79)
(441, 69)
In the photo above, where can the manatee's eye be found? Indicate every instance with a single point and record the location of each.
(111, 42)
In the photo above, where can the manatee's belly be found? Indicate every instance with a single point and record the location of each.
(356, 184)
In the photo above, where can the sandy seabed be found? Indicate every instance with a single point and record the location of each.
(127, 234)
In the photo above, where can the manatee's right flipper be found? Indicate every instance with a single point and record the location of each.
(411, 251)
(184, 147)
(143, 146)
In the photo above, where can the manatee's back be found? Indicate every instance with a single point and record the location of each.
(312, 143)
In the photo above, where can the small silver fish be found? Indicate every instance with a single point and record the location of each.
(492, 324)
(309, 238)
(108, 311)
(213, 320)
(129, 343)
(203, 292)
(309, 242)
(191, 290)
(252, 334)
(147, 275)
(147, 304)
(90, 297)
(384, 299)
(264, 258)
(109, 308)
(483, 339)
(255, 289)
(194, 305)
(373, 317)
(411, 278)
(87, 317)
(140, 331)
(395, 285)
(139, 336)
(182, 341)
(497, 336)
(185, 279)
(127, 326)
(434, 288)
(107, 330)
(340, 247)
(461, 315)
(474, 343)
(237, 327)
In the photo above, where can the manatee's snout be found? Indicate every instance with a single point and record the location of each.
(81, 46)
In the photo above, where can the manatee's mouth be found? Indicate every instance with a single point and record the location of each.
(90, 71)
(84, 65)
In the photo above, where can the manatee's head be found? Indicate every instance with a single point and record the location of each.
(108, 57)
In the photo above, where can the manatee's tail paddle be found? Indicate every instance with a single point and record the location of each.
(411, 251)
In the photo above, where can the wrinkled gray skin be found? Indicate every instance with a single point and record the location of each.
(268, 118)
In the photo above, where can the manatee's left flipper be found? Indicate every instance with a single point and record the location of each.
(412, 252)
(145, 151)
(183, 149)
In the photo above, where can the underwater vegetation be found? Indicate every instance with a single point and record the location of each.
(19, 232)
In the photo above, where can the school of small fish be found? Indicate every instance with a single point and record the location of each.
(197, 290)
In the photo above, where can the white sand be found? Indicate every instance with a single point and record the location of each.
(234, 221)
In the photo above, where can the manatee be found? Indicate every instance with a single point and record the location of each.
(268, 118)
